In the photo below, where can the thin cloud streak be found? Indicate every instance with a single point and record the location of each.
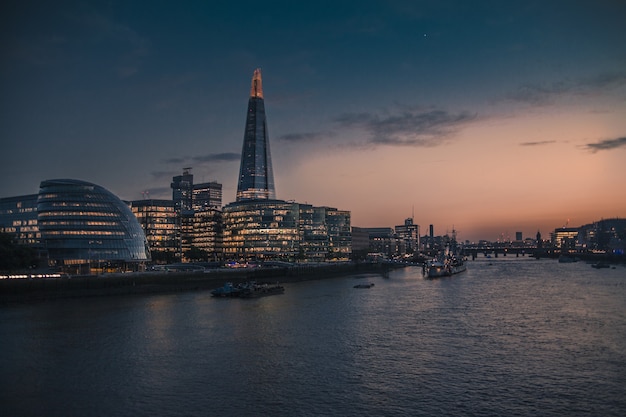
(545, 94)
(606, 144)
(412, 127)
(213, 157)
(539, 143)
(306, 137)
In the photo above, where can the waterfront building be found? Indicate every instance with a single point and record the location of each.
(262, 230)
(606, 235)
(202, 235)
(198, 225)
(84, 227)
(565, 237)
(259, 227)
(158, 220)
(18, 218)
(207, 195)
(256, 178)
(360, 242)
(382, 240)
(408, 237)
(339, 234)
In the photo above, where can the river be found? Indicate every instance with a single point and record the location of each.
(508, 337)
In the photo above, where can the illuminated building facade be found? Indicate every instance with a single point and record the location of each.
(207, 195)
(182, 191)
(408, 237)
(257, 226)
(83, 225)
(198, 218)
(339, 234)
(565, 237)
(256, 178)
(158, 220)
(201, 235)
(262, 230)
(286, 231)
(18, 218)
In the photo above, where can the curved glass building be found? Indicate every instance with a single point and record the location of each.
(84, 224)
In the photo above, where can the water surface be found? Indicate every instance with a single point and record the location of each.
(511, 336)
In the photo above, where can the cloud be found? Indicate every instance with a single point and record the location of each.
(213, 157)
(544, 94)
(218, 157)
(606, 144)
(540, 143)
(408, 127)
(306, 137)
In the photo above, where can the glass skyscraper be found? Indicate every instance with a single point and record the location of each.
(256, 179)
(259, 227)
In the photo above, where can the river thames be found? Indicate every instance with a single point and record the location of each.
(509, 337)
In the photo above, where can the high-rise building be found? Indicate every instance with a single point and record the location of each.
(259, 227)
(207, 195)
(256, 178)
(408, 235)
(182, 191)
(159, 223)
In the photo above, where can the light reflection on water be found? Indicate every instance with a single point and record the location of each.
(507, 337)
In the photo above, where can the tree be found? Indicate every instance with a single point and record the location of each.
(14, 256)
(195, 254)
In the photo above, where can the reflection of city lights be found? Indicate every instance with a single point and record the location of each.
(26, 276)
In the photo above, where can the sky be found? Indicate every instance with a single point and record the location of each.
(487, 117)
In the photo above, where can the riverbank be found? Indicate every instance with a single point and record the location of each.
(42, 289)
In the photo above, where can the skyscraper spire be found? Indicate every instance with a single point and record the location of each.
(256, 90)
(256, 178)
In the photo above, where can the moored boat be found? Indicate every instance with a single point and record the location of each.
(444, 267)
(250, 289)
(253, 289)
(449, 262)
(228, 290)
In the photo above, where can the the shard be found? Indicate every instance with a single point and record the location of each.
(256, 179)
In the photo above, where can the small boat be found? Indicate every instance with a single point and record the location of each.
(253, 290)
(368, 285)
(228, 290)
(600, 265)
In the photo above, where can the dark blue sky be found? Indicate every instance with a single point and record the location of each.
(369, 103)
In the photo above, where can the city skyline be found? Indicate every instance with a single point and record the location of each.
(487, 118)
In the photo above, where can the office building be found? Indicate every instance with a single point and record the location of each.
(256, 178)
(158, 220)
(84, 227)
(257, 226)
(207, 195)
(18, 218)
(182, 191)
(408, 237)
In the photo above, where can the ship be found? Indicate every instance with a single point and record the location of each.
(448, 262)
(444, 266)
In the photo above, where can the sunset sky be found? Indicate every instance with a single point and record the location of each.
(490, 117)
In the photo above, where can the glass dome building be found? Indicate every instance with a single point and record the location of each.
(84, 226)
